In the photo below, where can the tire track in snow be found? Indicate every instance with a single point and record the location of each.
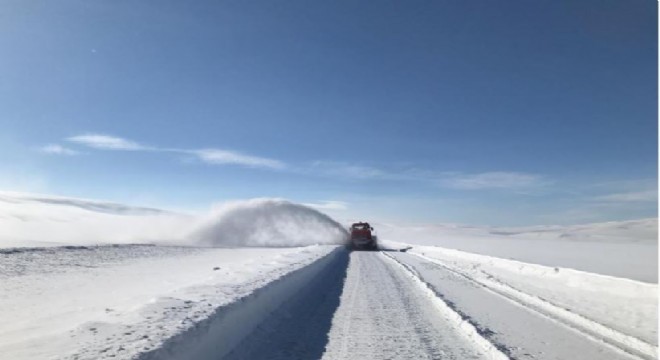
(468, 329)
(386, 314)
(585, 326)
(517, 330)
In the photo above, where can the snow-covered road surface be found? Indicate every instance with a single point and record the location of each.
(384, 314)
(152, 302)
(520, 329)
(398, 305)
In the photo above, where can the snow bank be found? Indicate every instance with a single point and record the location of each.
(28, 220)
(105, 302)
(249, 327)
(267, 222)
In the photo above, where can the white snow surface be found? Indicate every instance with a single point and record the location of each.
(627, 249)
(454, 305)
(628, 306)
(117, 301)
(589, 289)
(519, 321)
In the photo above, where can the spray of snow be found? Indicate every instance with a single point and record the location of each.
(44, 220)
(266, 222)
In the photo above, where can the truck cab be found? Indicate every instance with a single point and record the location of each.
(362, 237)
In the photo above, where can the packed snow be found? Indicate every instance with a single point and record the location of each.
(383, 314)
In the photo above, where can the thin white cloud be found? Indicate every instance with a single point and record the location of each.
(107, 142)
(58, 150)
(210, 156)
(218, 156)
(636, 196)
(346, 170)
(328, 205)
(491, 180)
(503, 180)
(487, 180)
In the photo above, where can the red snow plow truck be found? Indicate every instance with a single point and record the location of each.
(362, 237)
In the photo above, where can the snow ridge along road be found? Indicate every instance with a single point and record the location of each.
(117, 302)
(265, 323)
(455, 319)
(587, 327)
(520, 330)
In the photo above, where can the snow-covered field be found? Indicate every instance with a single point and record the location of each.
(265, 279)
(626, 249)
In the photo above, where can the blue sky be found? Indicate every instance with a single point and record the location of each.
(482, 112)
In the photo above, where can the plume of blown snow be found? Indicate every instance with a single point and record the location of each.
(268, 223)
(29, 220)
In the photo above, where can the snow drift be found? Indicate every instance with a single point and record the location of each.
(267, 222)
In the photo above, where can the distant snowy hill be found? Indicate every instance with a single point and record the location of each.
(45, 220)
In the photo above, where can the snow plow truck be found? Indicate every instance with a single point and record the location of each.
(362, 237)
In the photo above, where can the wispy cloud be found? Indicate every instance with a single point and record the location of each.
(491, 180)
(636, 196)
(217, 156)
(347, 170)
(107, 142)
(328, 205)
(58, 150)
(504, 180)
(515, 181)
(209, 156)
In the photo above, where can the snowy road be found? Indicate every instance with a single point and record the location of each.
(384, 314)
(401, 306)
(312, 303)
(520, 329)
